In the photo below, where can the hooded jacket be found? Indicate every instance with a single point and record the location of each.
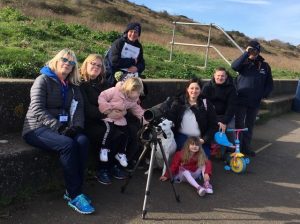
(47, 103)
(223, 97)
(254, 81)
(205, 116)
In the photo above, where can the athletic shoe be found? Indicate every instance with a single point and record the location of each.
(68, 198)
(103, 177)
(103, 154)
(122, 159)
(81, 205)
(119, 173)
(201, 191)
(208, 188)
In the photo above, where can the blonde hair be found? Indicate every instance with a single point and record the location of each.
(74, 76)
(83, 69)
(133, 84)
(187, 154)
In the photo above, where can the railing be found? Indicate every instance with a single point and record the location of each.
(208, 45)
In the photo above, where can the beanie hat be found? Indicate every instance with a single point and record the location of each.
(134, 26)
(254, 44)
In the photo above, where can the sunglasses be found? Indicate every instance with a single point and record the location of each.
(94, 64)
(65, 60)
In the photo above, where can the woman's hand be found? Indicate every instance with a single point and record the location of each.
(163, 178)
(202, 141)
(222, 126)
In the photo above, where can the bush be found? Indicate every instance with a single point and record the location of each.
(8, 14)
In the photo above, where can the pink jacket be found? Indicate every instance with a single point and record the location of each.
(114, 98)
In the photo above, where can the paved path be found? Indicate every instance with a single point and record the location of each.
(268, 193)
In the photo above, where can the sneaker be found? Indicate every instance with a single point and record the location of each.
(119, 173)
(208, 188)
(68, 198)
(122, 159)
(103, 154)
(103, 177)
(81, 205)
(201, 191)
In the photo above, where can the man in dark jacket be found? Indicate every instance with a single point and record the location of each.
(221, 93)
(253, 83)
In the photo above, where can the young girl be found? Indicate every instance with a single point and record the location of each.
(115, 102)
(189, 164)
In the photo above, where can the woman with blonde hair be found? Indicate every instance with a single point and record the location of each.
(55, 120)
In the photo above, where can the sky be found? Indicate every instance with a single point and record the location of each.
(267, 19)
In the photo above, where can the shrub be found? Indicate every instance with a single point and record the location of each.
(10, 14)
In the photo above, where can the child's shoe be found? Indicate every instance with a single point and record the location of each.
(208, 188)
(201, 191)
(122, 159)
(103, 154)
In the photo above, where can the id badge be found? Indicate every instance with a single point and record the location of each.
(63, 118)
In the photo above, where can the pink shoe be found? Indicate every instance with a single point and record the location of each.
(208, 188)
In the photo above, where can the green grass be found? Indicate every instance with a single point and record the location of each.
(27, 43)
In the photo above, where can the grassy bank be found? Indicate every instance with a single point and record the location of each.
(27, 43)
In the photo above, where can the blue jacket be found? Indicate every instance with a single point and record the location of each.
(254, 81)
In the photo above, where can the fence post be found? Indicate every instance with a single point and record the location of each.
(296, 102)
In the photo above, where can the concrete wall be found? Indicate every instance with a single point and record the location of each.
(15, 97)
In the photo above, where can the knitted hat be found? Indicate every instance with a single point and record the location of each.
(134, 26)
(254, 44)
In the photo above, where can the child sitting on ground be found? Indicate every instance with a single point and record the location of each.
(115, 102)
(191, 163)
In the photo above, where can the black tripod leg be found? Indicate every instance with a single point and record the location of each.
(147, 191)
(146, 147)
(168, 170)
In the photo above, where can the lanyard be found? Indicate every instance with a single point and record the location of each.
(64, 93)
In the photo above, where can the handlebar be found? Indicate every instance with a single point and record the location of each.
(236, 130)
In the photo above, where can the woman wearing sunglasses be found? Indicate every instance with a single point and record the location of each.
(54, 122)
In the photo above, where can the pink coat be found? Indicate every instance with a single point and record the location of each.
(114, 99)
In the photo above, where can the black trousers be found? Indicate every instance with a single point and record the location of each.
(245, 118)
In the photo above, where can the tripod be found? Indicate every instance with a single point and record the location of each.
(152, 141)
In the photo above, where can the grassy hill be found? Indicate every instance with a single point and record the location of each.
(31, 32)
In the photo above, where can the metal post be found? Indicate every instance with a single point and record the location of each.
(172, 43)
(208, 45)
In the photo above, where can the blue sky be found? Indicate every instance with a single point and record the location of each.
(268, 19)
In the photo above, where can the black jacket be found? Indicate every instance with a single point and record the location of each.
(206, 117)
(223, 97)
(90, 91)
(118, 62)
(254, 81)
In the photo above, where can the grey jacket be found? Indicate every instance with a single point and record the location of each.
(47, 103)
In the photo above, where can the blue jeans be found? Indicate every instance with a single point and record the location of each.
(181, 138)
(72, 154)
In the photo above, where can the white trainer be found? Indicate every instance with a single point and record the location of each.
(201, 191)
(104, 154)
(122, 159)
(208, 188)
